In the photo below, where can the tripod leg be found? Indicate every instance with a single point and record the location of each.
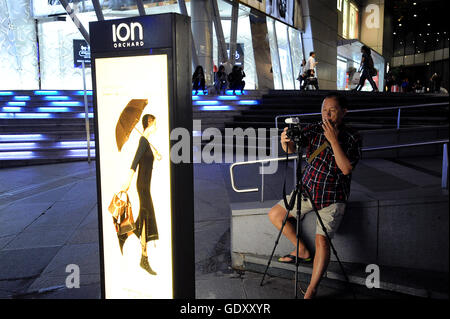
(275, 246)
(298, 232)
(278, 239)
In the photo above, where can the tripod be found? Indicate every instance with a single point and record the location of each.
(296, 195)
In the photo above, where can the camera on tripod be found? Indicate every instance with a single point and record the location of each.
(294, 132)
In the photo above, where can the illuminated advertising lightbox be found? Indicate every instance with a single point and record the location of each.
(138, 93)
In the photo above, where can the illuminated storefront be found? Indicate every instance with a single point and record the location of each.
(348, 63)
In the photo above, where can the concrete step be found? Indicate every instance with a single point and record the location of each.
(425, 284)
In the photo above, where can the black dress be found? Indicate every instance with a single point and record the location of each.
(144, 159)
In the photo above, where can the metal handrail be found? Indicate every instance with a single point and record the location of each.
(366, 110)
(364, 149)
(262, 171)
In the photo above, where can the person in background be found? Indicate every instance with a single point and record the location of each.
(367, 70)
(228, 66)
(198, 79)
(311, 64)
(435, 83)
(302, 74)
(310, 79)
(220, 80)
(405, 85)
(390, 81)
(235, 79)
(417, 87)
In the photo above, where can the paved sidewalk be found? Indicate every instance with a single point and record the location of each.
(48, 220)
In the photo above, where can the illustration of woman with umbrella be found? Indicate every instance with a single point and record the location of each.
(146, 228)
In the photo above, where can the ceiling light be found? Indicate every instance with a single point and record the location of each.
(414, 3)
(428, 24)
(415, 15)
(399, 24)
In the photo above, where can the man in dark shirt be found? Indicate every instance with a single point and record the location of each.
(327, 177)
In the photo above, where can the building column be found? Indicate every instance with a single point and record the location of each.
(261, 49)
(201, 23)
(321, 23)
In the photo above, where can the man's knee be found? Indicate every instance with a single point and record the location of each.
(276, 213)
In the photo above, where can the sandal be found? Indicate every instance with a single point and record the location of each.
(292, 259)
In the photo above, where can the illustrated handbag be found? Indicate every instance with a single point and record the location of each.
(122, 214)
(117, 205)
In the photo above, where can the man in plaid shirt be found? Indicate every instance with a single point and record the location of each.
(327, 177)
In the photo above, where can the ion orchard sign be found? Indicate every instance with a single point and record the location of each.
(124, 35)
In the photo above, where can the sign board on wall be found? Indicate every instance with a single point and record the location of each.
(282, 10)
(239, 54)
(142, 93)
(81, 52)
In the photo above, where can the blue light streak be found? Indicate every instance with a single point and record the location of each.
(46, 92)
(16, 155)
(81, 92)
(71, 103)
(76, 144)
(216, 108)
(21, 137)
(56, 97)
(248, 102)
(17, 103)
(83, 115)
(32, 115)
(206, 102)
(11, 109)
(227, 97)
(17, 146)
(53, 109)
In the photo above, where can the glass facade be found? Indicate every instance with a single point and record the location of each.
(37, 42)
(286, 53)
(18, 49)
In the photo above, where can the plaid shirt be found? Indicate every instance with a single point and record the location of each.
(322, 177)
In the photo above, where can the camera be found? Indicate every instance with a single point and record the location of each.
(294, 133)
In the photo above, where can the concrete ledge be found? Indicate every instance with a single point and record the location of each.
(410, 233)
